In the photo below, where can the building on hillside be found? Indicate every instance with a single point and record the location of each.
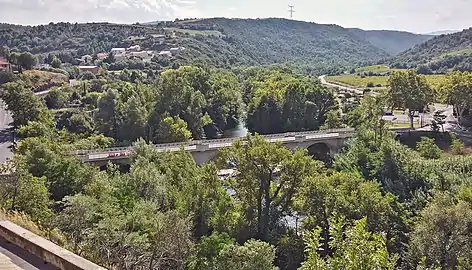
(102, 56)
(4, 65)
(134, 48)
(118, 51)
(165, 53)
(86, 59)
(93, 69)
(176, 50)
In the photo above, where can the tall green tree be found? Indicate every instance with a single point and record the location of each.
(408, 90)
(269, 177)
(107, 117)
(354, 248)
(442, 238)
(24, 105)
(457, 91)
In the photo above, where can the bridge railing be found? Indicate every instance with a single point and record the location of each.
(214, 141)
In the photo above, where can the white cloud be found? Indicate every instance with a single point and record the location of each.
(125, 11)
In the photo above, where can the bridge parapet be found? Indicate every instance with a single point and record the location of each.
(206, 145)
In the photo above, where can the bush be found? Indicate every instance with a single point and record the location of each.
(428, 149)
(370, 84)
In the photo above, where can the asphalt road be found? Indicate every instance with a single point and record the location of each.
(6, 130)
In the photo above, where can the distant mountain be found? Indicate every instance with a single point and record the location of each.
(392, 42)
(443, 32)
(273, 40)
(439, 54)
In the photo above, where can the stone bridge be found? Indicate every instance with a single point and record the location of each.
(318, 143)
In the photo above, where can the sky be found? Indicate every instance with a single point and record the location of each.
(418, 16)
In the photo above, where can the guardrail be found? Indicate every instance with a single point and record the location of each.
(209, 142)
(44, 249)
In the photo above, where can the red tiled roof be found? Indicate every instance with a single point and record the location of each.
(3, 62)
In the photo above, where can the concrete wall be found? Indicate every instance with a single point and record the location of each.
(44, 249)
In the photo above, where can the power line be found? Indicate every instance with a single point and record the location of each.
(291, 11)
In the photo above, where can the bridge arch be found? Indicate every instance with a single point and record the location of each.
(321, 151)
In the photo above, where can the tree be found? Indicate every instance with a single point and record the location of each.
(24, 105)
(107, 118)
(410, 91)
(281, 102)
(27, 60)
(57, 99)
(26, 193)
(441, 237)
(349, 195)
(252, 255)
(457, 90)
(56, 63)
(354, 248)
(428, 148)
(172, 129)
(333, 120)
(270, 177)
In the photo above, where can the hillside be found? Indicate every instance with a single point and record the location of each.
(439, 54)
(315, 48)
(392, 42)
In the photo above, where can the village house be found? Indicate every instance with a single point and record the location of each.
(102, 56)
(165, 53)
(118, 51)
(4, 65)
(135, 48)
(93, 69)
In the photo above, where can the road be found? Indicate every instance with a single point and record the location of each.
(351, 89)
(6, 130)
(15, 258)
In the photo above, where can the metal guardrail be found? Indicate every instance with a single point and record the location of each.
(215, 141)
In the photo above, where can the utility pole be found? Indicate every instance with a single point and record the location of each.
(291, 11)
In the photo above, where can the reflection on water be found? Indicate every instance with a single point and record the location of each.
(239, 131)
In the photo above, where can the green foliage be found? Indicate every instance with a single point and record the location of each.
(457, 91)
(26, 193)
(354, 248)
(408, 90)
(428, 148)
(442, 234)
(172, 129)
(24, 105)
(440, 54)
(56, 63)
(270, 176)
(282, 102)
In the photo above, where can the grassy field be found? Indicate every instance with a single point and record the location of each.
(375, 69)
(39, 77)
(358, 81)
(195, 32)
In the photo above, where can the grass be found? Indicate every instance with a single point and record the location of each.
(459, 52)
(375, 69)
(195, 32)
(39, 77)
(403, 124)
(358, 81)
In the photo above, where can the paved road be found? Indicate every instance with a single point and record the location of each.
(5, 133)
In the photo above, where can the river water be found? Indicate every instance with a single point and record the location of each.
(239, 131)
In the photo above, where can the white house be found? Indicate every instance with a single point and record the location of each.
(118, 51)
(134, 48)
(165, 53)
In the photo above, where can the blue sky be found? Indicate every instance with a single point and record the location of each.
(411, 15)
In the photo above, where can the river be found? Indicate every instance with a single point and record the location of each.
(239, 131)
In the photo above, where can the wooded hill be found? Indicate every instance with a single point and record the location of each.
(271, 41)
(221, 42)
(439, 54)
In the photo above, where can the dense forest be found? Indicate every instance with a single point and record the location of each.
(311, 47)
(440, 54)
(378, 204)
